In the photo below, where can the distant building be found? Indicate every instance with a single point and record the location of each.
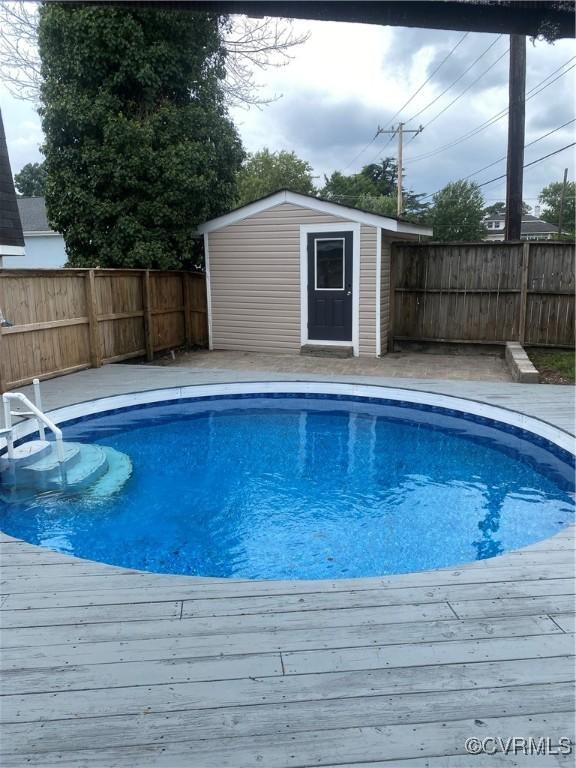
(533, 228)
(42, 246)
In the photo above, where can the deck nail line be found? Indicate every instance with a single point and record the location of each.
(453, 611)
(556, 623)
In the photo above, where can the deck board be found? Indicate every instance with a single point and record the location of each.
(113, 668)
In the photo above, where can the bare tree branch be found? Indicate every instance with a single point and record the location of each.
(255, 44)
(19, 58)
(251, 45)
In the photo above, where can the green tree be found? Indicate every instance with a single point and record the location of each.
(31, 180)
(346, 189)
(385, 206)
(458, 212)
(265, 172)
(139, 148)
(550, 198)
(374, 188)
(496, 209)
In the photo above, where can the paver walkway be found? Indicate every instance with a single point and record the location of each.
(112, 668)
(472, 367)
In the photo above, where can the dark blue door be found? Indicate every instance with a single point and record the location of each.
(330, 286)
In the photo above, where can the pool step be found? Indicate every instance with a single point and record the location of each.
(38, 469)
(119, 470)
(47, 462)
(27, 452)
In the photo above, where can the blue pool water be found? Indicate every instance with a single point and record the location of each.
(300, 488)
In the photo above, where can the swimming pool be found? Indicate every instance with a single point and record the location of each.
(309, 481)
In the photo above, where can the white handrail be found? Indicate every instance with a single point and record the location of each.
(38, 403)
(41, 417)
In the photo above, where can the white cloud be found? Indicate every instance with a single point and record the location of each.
(23, 130)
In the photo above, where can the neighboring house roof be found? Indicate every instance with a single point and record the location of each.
(530, 224)
(11, 239)
(315, 204)
(537, 225)
(33, 215)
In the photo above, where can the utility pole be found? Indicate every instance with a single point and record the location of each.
(516, 121)
(400, 130)
(562, 199)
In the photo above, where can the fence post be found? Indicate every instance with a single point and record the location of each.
(3, 364)
(93, 327)
(523, 292)
(187, 308)
(148, 329)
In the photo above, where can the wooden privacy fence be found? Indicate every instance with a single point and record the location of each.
(483, 292)
(65, 320)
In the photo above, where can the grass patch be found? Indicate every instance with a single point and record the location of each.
(556, 366)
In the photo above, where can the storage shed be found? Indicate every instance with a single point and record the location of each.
(290, 271)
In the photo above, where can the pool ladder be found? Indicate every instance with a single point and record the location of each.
(33, 410)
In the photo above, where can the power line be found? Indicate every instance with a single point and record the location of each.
(485, 72)
(498, 116)
(482, 127)
(374, 197)
(403, 107)
(417, 91)
(539, 160)
(372, 140)
(500, 159)
(453, 83)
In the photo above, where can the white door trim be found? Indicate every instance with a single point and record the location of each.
(208, 290)
(305, 230)
(378, 290)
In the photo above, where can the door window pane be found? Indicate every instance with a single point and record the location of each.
(330, 265)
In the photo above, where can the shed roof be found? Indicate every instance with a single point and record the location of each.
(399, 226)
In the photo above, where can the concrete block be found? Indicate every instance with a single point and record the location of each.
(520, 365)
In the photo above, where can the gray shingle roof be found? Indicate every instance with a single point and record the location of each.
(33, 214)
(531, 224)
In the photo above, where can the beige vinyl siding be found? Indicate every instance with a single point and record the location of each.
(368, 294)
(255, 280)
(385, 293)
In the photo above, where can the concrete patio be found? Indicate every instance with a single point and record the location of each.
(108, 667)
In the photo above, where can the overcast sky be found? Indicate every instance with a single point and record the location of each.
(350, 78)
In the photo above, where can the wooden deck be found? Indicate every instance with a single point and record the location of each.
(113, 668)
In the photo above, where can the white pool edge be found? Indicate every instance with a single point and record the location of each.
(505, 416)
